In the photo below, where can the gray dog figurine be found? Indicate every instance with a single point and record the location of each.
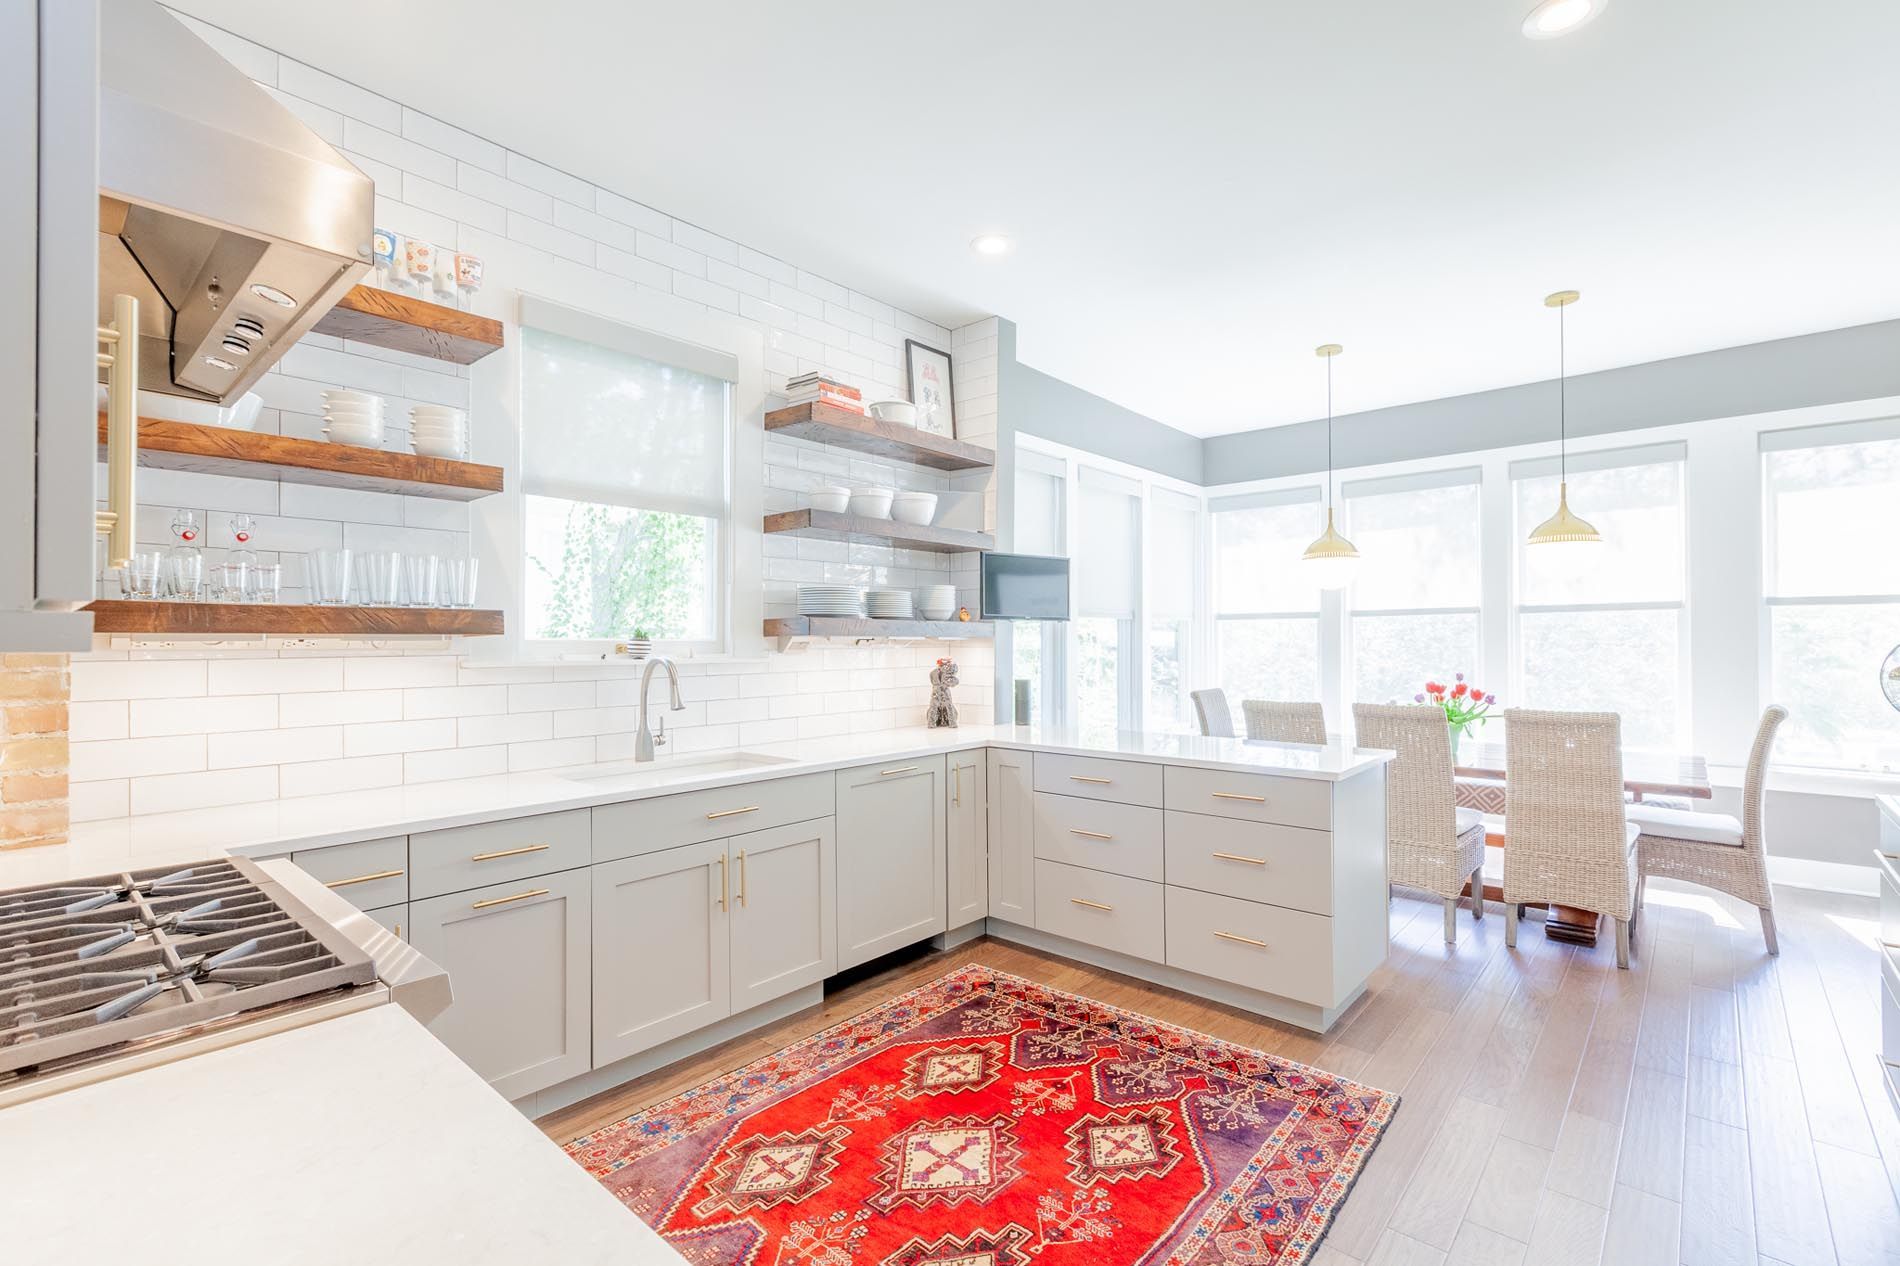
(943, 713)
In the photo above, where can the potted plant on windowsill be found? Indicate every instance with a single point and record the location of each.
(640, 645)
(1465, 707)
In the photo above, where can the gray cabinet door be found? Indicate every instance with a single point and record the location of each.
(661, 955)
(395, 919)
(784, 936)
(891, 857)
(518, 962)
(968, 829)
(1012, 814)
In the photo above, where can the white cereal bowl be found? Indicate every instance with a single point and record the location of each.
(831, 500)
(431, 447)
(339, 395)
(902, 412)
(914, 507)
(871, 503)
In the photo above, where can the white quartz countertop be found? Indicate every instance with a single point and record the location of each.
(281, 826)
(359, 1139)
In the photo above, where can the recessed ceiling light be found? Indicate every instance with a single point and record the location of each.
(991, 244)
(218, 362)
(1560, 17)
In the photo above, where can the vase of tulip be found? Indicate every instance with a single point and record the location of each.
(1465, 707)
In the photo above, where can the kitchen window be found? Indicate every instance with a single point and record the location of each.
(1266, 613)
(1038, 646)
(1831, 587)
(1174, 529)
(626, 472)
(1107, 589)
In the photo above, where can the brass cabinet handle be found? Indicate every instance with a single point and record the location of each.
(1235, 795)
(116, 522)
(722, 881)
(729, 813)
(1089, 835)
(502, 901)
(901, 769)
(741, 877)
(1240, 857)
(1102, 782)
(956, 782)
(364, 879)
(1244, 940)
(510, 852)
(1093, 905)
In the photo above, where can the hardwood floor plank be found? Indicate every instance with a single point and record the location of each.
(1860, 1207)
(1790, 1210)
(1713, 1029)
(1402, 1250)
(1478, 1246)
(1718, 1208)
(1715, 1091)
(1535, 1112)
(1569, 1232)
(1664, 1042)
(1644, 1230)
(1653, 1134)
(1433, 1206)
(1584, 1164)
(1507, 1194)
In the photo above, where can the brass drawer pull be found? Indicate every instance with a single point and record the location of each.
(1241, 857)
(729, 813)
(901, 769)
(742, 877)
(722, 880)
(364, 879)
(1089, 835)
(1235, 795)
(1244, 940)
(502, 901)
(1093, 905)
(1100, 782)
(511, 852)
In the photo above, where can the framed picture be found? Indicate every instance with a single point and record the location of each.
(927, 371)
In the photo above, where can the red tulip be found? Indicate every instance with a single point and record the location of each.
(1458, 691)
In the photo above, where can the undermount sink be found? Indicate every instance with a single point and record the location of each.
(669, 767)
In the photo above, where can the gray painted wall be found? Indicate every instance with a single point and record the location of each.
(1861, 362)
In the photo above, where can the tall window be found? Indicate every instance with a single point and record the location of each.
(1041, 516)
(624, 480)
(1415, 598)
(1831, 576)
(1603, 627)
(1174, 524)
(1107, 556)
(1266, 615)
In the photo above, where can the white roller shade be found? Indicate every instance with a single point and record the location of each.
(1173, 525)
(1108, 553)
(622, 417)
(1038, 512)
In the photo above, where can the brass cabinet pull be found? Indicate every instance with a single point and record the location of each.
(956, 782)
(901, 769)
(1235, 795)
(728, 813)
(742, 877)
(1089, 835)
(510, 852)
(116, 521)
(1244, 940)
(1101, 782)
(1241, 857)
(1093, 905)
(722, 881)
(502, 901)
(364, 879)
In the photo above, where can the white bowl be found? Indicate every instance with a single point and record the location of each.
(902, 412)
(439, 428)
(340, 395)
(914, 507)
(872, 503)
(427, 447)
(355, 439)
(353, 414)
(831, 500)
(426, 413)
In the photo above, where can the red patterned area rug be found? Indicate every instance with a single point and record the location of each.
(985, 1120)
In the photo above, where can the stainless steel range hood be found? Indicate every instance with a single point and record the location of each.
(235, 225)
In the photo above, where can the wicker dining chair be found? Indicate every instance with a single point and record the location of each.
(1567, 840)
(1284, 722)
(1713, 849)
(1431, 843)
(1210, 709)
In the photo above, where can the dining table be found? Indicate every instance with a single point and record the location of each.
(1646, 773)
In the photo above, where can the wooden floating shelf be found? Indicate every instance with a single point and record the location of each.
(383, 318)
(826, 526)
(220, 450)
(859, 626)
(241, 619)
(827, 424)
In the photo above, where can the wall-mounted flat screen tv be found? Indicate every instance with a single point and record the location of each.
(1025, 587)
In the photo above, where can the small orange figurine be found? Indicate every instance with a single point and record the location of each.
(963, 614)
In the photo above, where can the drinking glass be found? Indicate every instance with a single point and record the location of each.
(186, 575)
(421, 574)
(142, 574)
(330, 576)
(382, 579)
(458, 581)
(265, 583)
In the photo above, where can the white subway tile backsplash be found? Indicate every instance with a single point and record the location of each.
(457, 762)
(635, 214)
(326, 777)
(93, 801)
(552, 696)
(452, 701)
(152, 717)
(104, 719)
(343, 707)
(397, 671)
(463, 146)
(504, 727)
(386, 737)
(486, 185)
(346, 98)
(170, 793)
(137, 679)
(525, 170)
(273, 747)
(551, 754)
(678, 258)
(273, 676)
(137, 757)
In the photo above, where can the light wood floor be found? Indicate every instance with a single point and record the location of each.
(1711, 1105)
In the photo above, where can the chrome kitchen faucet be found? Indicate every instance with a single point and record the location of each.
(645, 743)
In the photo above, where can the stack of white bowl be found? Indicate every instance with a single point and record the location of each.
(938, 602)
(914, 507)
(888, 604)
(354, 418)
(830, 600)
(437, 430)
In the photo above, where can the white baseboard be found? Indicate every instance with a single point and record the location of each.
(1800, 872)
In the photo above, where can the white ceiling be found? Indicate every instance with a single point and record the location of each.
(1201, 192)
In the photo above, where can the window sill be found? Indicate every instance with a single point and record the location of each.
(1812, 781)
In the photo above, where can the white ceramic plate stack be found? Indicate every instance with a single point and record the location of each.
(938, 602)
(888, 604)
(437, 430)
(354, 418)
(845, 600)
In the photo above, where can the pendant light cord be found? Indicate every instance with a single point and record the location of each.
(1563, 422)
(1329, 437)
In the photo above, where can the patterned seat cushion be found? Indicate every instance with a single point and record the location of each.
(1486, 795)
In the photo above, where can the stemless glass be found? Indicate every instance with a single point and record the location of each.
(186, 575)
(330, 576)
(265, 583)
(421, 574)
(142, 575)
(458, 582)
(382, 579)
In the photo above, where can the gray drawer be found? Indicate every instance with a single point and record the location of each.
(1099, 834)
(465, 857)
(1888, 868)
(1277, 951)
(1112, 911)
(367, 874)
(1123, 781)
(688, 817)
(1257, 861)
(1252, 797)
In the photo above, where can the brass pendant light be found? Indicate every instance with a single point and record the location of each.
(1332, 559)
(1563, 527)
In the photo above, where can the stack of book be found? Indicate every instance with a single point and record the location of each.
(816, 388)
